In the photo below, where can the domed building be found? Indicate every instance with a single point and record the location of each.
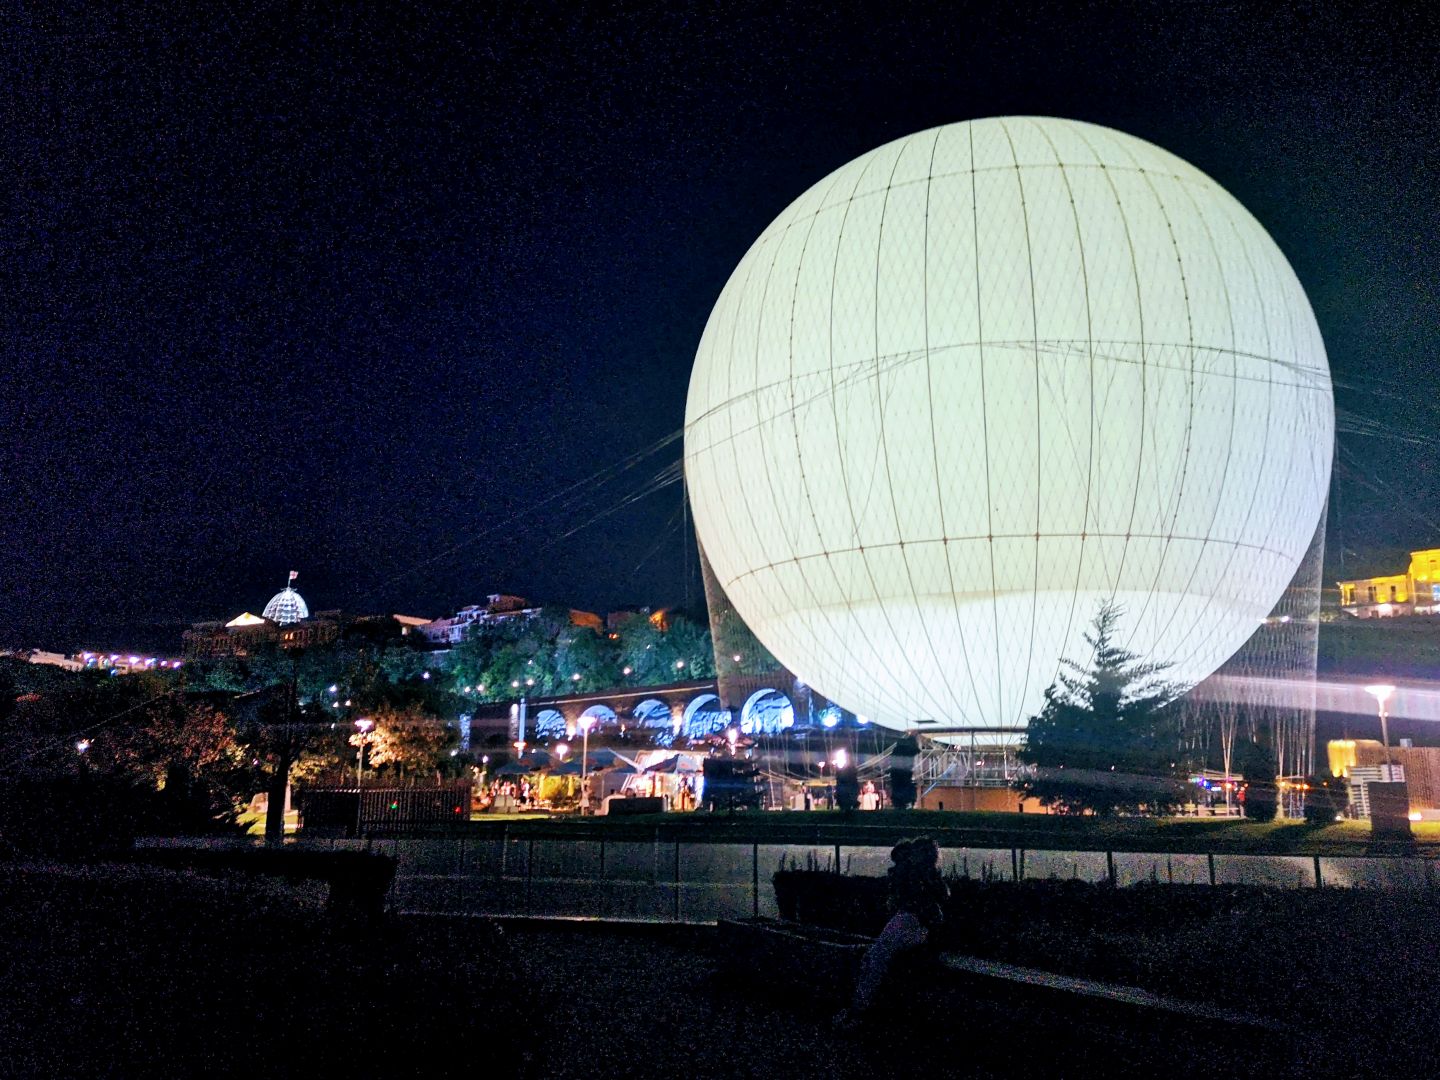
(286, 606)
(287, 622)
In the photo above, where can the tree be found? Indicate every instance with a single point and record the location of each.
(406, 740)
(657, 654)
(1108, 737)
(1257, 765)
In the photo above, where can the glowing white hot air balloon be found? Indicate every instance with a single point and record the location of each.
(985, 377)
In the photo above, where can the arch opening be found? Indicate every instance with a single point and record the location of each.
(766, 712)
(704, 716)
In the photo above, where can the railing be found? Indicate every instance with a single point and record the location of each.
(697, 882)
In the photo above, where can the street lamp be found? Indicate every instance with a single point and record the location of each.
(363, 725)
(585, 723)
(1381, 693)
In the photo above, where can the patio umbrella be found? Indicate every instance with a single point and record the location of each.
(676, 764)
(514, 768)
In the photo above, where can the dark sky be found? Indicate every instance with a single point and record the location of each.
(356, 293)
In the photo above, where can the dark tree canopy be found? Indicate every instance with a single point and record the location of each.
(1108, 737)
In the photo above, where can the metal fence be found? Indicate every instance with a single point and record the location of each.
(678, 881)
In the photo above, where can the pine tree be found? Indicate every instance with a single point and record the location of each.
(1107, 739)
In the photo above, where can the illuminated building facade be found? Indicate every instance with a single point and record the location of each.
(498, 608)
(1415, 592)
(247, 633)
(1365, 760)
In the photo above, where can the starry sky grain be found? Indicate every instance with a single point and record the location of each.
(363, 292)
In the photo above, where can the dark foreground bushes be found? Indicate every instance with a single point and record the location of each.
(125, 971)
(1317, 956)
(87, 813)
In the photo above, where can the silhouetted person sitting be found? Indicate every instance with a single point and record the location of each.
(917, 893)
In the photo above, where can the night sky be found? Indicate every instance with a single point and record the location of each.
(371, 295)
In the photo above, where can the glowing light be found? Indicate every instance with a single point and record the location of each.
(575, 677)
(1380, 692)
(334, 688)
(364, 724)
(425, 675)
(1415, 815)
(679, 664)
(985, 377)
(831, 718)
(626, 671)
(82, 745)
(561, 749)
(515, 684)
(736, 658)
(842, 758)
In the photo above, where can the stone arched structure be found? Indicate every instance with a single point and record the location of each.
(703, 715)
(550, 724)
(601, 716)
(767, 711)
(653, 713)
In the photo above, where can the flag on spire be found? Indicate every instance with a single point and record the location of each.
(294, 574)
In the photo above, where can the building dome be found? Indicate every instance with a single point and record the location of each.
(286, 606)
(986, 378)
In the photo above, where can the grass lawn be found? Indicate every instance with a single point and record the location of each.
(254, 824)
(956, 829)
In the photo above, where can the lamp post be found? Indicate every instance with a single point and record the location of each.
(364, 724)
(1381, 693)
(585, 724)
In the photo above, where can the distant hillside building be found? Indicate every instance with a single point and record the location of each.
(287, 623)
(1415, 592)
(498, 608)
(246, 633)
